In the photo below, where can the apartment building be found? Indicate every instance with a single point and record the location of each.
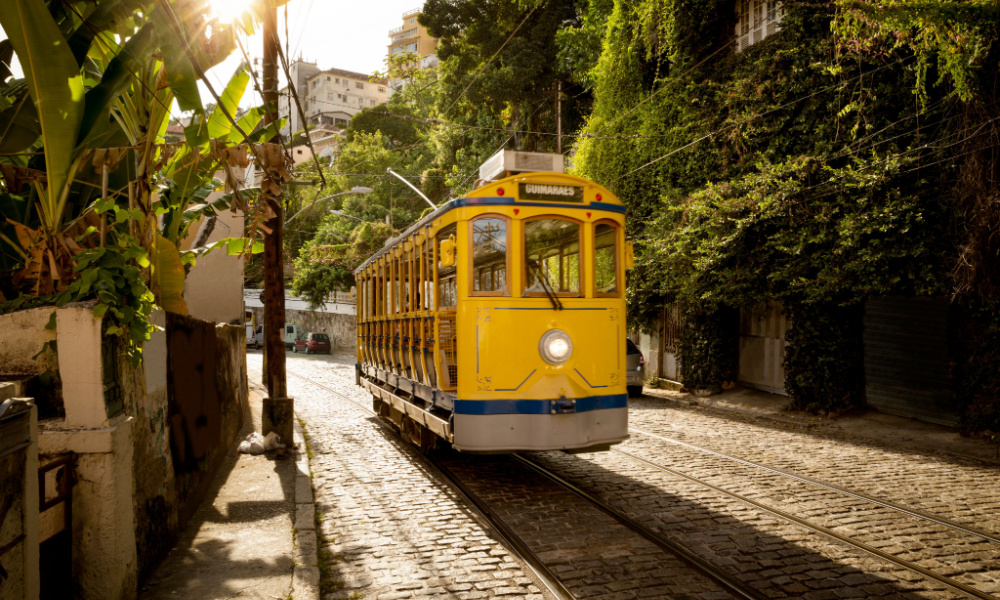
(300, 72)
(412, 37)
(328, 97)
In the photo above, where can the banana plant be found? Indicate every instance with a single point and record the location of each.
(97, 76)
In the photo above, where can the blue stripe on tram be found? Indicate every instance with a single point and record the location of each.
(537, 407)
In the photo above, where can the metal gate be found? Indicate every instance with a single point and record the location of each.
(906, 358)
(15, 438)
(670, 339)
(55, 516)
(762, 348)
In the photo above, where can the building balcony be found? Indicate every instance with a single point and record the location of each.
(415, 11)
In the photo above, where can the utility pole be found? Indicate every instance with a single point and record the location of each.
(559, 116)
(278, 407)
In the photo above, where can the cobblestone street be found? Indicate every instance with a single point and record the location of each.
(395, 529)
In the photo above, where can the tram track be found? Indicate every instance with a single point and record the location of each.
(909, 511)
(816, 528)
(698, 563)
(715, 574)
(514, 542)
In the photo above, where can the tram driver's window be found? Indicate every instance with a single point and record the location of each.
(489, 255)
(447, 276)
(605, 266)
(552, 256)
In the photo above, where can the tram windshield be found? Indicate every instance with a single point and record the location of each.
(489, 255)
(552, 253)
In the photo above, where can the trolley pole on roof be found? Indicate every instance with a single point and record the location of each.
(278, 407)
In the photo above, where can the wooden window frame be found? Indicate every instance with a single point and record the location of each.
(524, 257)
(619, 249)
(439, 295)
(472, 258)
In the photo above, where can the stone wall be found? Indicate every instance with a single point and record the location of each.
(341, 328)
(146, 452)
(207, 402)
(156, 518)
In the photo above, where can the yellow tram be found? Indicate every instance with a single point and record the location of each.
(497, 323)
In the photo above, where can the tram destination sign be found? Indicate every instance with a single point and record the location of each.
(550, 192)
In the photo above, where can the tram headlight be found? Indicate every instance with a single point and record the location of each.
(555, 347)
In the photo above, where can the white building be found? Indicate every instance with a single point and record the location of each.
(329, 97)
(300, 72)
(326, 141)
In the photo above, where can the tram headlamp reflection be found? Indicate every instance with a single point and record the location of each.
(555, 347)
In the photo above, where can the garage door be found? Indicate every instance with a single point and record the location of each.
(762, 348)
(906, 358)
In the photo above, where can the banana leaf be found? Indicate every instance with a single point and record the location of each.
(119, 74)
(56, 85)
(219, 125)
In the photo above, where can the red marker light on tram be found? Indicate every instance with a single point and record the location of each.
(597, 197)
(500, 192)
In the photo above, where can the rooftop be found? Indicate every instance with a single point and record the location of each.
(347, 74)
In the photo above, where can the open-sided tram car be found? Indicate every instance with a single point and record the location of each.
(497, 323)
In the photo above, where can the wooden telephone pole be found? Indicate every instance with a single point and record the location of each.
(278, 407)
(559, 116)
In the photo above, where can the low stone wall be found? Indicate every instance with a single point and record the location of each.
(207, 402)
(147, 442)
(341, 328)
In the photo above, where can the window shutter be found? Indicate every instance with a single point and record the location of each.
(756, 19)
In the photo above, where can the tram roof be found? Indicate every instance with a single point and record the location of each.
(489, 191)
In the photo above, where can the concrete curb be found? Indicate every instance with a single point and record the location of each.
(305, 579)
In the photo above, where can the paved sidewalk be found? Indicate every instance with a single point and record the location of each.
(864, 424)
(241, 543)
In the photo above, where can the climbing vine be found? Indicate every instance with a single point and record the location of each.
(840, 159)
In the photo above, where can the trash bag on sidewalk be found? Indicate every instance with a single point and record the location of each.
(254, 444)
(257, 444)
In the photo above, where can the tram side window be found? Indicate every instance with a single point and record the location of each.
(605, 266)
(552, 254)
(489, 255)
(448, 276)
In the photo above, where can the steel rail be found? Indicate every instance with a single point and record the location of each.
(717, 575)
(913, 512)
(521, 548)
(820, 529)
(513, 541)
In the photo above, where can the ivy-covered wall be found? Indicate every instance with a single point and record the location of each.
(844, 158)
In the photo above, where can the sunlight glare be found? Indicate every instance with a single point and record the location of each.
(228, 11)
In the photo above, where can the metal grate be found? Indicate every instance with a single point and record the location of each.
(448, 344)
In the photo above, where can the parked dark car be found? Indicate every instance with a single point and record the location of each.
(312, 343)
(634, 363)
